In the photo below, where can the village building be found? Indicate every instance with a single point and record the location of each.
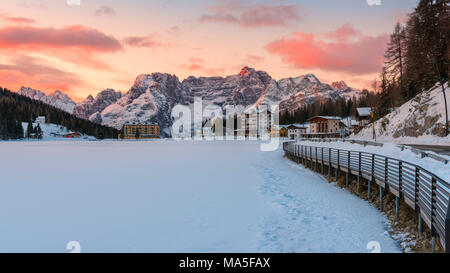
(138, 130)
(326, 127)
(363, 115)
(295, 131)
(279, 131)
(351, 124)
(283, 132)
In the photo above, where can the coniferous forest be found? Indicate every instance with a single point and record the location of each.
(15, 109)
(417, 55)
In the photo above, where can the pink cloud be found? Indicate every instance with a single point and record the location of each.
(73, 37)
(253, 16)
(347, 31)
(359, 55)
(267, 16)
(73, 44)
(16, 20)
(104, 11)
(30, 71)
(142, 41)
(219, 18)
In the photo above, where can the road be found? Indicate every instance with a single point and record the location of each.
(440, 149)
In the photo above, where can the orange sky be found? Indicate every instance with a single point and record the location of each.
(83, 49)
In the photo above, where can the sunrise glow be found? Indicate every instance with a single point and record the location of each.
(83, 49)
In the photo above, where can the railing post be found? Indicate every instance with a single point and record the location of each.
(372, 176)
(400, 178)
(433, 244)
(359, 168)
(433, 212)
(315, 161)
(310, 157)
(295, 153)
(386, 170)
(304, 155)
(322, 165)
(416, 197)
(420, 220)
(348, 169)
(337, 167)
(329, 163)
(299, 154)
(447, 229)
(416, 188)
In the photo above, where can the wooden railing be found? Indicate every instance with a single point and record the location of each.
(422, 190)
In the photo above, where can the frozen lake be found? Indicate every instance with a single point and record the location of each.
(168, 196)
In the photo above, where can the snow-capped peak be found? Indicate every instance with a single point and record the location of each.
(57, 99)
(312, 78)
(246, 71)
(340, 85)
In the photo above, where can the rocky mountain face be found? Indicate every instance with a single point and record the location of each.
(150, 99)
(246, 88)
(293, 93)
(56, 99)
(152, 96)
(91, 106)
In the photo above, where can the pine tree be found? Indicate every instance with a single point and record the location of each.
(395, 58)
(384, 102)
(19, 131)
(427, 42)
(39, 133)
(29, 129)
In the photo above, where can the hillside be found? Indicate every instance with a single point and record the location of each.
(16, 108)
(420, 120)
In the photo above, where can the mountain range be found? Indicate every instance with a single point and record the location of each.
(152, 96)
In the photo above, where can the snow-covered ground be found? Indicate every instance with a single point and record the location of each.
(418, 121)
(439, 168)
(168, 196)
(53, 132)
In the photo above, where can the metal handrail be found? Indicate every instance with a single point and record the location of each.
(422, 190)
